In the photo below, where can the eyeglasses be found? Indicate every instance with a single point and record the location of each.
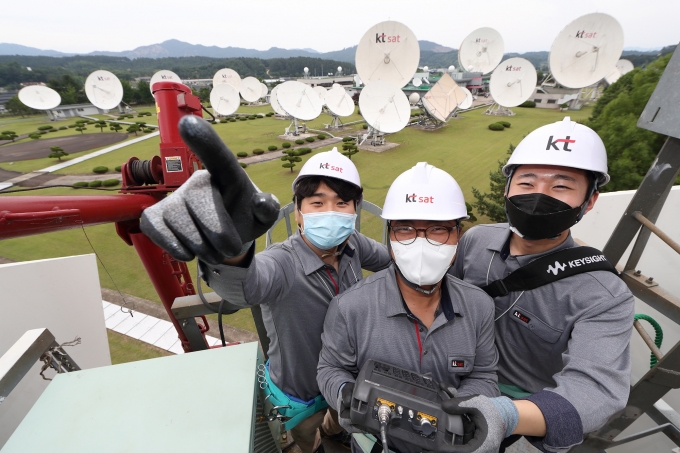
(435, 234)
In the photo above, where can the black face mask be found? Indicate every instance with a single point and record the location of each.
(539, 216)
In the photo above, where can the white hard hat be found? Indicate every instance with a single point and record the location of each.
(331, 164)
(564, 143)
(424, 192)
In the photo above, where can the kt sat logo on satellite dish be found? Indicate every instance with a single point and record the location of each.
(382, 37)
(480, 40)
(585, 34)
(413, 198)
(166, 76)
(513, 68)
(103, 78)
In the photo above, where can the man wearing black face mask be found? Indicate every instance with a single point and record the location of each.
(563, 341)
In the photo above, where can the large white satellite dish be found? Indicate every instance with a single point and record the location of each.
(250, 89)
(613, 76)
(388, 51)
(413, 98)
(384, 106)
(321, 91)
(265, 90)
(228, 76)
(299, 100)
(467, 103)
(443, 98)
(224, 99)
(624, 66)
(104, 90)
(39, 97)
(339, 103)
(586, 50)
(417, 81)
(163, 76)
(481, 50)
(512, 82)
(274, 102)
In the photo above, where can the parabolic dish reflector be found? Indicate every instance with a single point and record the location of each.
(388, 51)
(467, 103)
(250, 89)
(163, 76)
(229, 76)
(39, 97)
(624, 66)
(613, 76)
(586, 50)
(104, 90)
(299, 100)
(513, 82)
(413, 98)
(481, 50)
(417, 81)
(443, 98)
(224, 99)
(339, 102)
(384, 106)
(321, 91)
(274, 102)
(265, 90)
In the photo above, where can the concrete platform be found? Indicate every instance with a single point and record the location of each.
(378, 149)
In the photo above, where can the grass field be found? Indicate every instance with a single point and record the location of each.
(466, 148)
(125, 349)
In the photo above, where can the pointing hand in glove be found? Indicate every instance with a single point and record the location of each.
(218, 212)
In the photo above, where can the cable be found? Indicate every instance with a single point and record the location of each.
(219, 323)
(219, 311)
(384, 412)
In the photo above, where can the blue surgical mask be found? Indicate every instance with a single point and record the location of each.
(329, 229)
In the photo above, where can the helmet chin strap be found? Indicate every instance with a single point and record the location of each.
(412, 285)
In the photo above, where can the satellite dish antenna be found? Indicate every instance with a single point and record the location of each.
(274, 102)
(613, 76)
(228, 76)
(452, 68)
(481, 50)
(321, 91)
(586, 50)
(442, 100)
(339, 69)
(426, 69)
(413, 98)
(28, 68)
(250, 89)
(163, 76)
(301, 102)
(265, 90)
(417, 81)
(336, 85)
(357, 80)
(467, 103)
(104, 90)
(388, 51)
(224, 99)
(306, 69)
(385, 108)
(39, 97)
(512, 83)
(624, 66)
(338, 103)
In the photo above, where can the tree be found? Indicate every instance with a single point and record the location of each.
(34, 136)
(81, 128)
(492, 204)
(290, 160)
(128, 92)
(101, 124)
(350, 149)
(144, 93)
(133, 128)
(16, 107)
(115, 127)
(57, 152)
(11, 135)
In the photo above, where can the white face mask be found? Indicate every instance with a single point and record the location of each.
(422, 263)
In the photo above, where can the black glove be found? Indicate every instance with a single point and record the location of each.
(489, 426)
(217, 213)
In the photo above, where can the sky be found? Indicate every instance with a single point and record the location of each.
(82, 26)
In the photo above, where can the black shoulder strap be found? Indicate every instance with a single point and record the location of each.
(550, 268)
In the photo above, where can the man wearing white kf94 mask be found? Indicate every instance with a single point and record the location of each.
(413, 315)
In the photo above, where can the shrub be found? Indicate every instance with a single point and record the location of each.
(243, 119)
(44, 132)
(101, 169)
(310, 139)
(34, 136)
(63, 128)
(303, 151)
(347, 139)
(95, 184)
(224, 120)
(299, 141)
(252, 117)
(72, 126)
(148, 129)
(528, 104)
(496, 127)
(365, 126)
(321, 137)
(285, 145)
(258, 151)
(110, 182)
(243, 164)
(45, 128)
(232, 120)
(272, 147)
(505, 124)
(117, 168)
(241, 154)
(80, 184)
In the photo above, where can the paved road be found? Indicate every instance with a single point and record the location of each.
(35, 149)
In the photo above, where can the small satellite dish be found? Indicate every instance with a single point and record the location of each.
(443, 98)
(163, 76)
(28, 68)
(624, 66)
(274, 102)
(481, 50)
(339, 103)
(339, 68)
(467, 103)
(265, 90)
(299, 100)
(452, 68)
(306, 69)
(103, 89)
(321, 91)
(513, 82)
(417, 81)
(388, 51)
(229, 76)
(357, 80)
(250, 89)
(586, 50)
(39, 97)
(224, 99)
(425, 68)
(384, 106)
(413, 98)
(336, 85)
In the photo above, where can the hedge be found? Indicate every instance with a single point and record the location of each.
(243, 164)
(101, 169)
(243, 119)
(242, 154)
(95, 184)
(63, 128)
(321, 137)
(528, 104)
(110, 182)
(348, 139)
(496, 127)
(285, 145)
(310, 139)
(118, 168)
(272, 147)
(224, 120)
(45, 128)
(257, 152)
(505, 124)
(80, 184)
(299, 142)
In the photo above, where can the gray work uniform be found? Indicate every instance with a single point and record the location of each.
(371, 321)
(566, 342)
(294, 288)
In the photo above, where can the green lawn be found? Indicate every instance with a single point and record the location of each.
(125, 349)
(466, 148)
